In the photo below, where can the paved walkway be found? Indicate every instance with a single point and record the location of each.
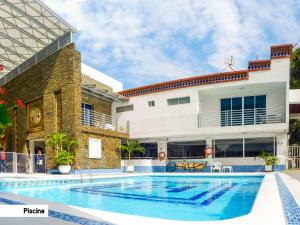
(59, 214)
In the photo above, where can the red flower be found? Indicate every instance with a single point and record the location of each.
(2, 90)
(20, 103)
(2, 102)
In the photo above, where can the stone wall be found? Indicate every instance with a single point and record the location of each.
(59, 75)
(99, 105)
(59, 72)
(111, 157)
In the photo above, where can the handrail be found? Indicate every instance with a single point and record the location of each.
(241, 117)
(104, 121)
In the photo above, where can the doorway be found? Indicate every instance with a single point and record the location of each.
(38, 155)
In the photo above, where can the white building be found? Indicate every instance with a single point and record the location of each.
(237, 113)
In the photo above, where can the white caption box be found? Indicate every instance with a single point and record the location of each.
(23, 210)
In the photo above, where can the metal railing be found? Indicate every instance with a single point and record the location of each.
(103, 121)
(12, 162)
(39, 56)
(242, 117)
(294, 157)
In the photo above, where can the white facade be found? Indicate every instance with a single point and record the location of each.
(200, 119)
(101, 77)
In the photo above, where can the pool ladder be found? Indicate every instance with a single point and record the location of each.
(81, 174)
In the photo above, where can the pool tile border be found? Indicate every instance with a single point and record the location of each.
(290, 206)
(61, 215)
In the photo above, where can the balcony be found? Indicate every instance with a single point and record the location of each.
(242, 117)
(103, 121)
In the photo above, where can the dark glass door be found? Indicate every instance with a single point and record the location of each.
(249, 110)
(237, 111)
(226, 112)
(260, 108)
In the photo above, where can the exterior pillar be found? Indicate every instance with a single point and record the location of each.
(282, 149)
(15, 162)
(162, 146)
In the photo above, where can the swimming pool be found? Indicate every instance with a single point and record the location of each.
(189, 198)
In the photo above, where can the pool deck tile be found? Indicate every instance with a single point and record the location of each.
(289, 192)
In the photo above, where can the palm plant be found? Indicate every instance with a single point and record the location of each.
(268, 157)
(56, 141)
(64, 146)
(130, 147)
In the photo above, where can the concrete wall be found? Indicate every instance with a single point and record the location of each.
(182, 120)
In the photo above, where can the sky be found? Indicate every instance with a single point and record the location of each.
(140, 42)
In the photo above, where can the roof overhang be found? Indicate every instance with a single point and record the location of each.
(29, 32)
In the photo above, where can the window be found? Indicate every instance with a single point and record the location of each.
(151, 103)
(193, 149)
(176, 101)
(228, 148)
(150, 152)
(253, 146)
(124, 108)
(87, 116)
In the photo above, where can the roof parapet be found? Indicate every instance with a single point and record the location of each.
(281, 51)
(259, 65)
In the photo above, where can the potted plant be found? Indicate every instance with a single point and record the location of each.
(63, 145)
(269, 159)
(64, 160)
(129, 148)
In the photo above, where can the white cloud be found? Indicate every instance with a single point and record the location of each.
(140, 41)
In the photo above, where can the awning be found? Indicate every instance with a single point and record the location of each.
(29, 32)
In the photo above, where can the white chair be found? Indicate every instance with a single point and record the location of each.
(215, 166)
(229, 168)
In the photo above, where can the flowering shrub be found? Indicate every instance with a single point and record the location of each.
(4, 113)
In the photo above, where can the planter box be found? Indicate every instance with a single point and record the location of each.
(130, 169)
(64, 169)
(268, 168)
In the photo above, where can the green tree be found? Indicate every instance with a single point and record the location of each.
(130, 147)
(294, 131)
(295, 69)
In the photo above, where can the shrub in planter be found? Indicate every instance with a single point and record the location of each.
(269, 159)
(64, 146)
(129, 148)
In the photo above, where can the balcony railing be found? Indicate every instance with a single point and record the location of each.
(242, 117)
(103, 121)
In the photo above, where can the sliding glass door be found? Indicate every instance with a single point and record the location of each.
(246, 110)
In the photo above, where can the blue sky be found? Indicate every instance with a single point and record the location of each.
(141, 42)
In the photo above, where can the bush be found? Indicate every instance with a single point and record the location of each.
(64, 158)
(268, 157)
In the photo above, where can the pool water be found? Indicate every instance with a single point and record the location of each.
(189, 198)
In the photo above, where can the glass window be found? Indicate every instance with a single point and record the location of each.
(87, 114)
(249, 110)
(193, 149)
(151, 103)
(120, 109)
(128, 108)
(124, 108)
(228, 148)
(237, 106)
(260, 111)
(150, 152)
(185, 100)
(253, 146)
(225, 112)
(176, 101)
(173, 101)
